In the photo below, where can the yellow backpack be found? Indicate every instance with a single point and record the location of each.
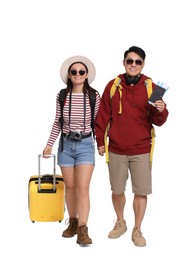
(116, 86)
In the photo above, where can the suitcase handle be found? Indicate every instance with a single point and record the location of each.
(39, 170)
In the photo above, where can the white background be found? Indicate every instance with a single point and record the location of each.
(36, 37)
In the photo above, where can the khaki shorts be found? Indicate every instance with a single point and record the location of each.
(140, 172)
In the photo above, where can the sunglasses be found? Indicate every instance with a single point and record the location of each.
(131, 61)
(74, 72)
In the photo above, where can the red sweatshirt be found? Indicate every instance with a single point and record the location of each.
(130, 131)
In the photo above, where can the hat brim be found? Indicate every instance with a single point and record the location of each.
(67, 63)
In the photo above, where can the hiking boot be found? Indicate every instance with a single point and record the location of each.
(72, 228)
(137, 238)
(119, 229)
(83, 237)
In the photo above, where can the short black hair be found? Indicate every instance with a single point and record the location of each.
(137, 50)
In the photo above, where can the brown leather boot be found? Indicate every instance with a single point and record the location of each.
(83, 237)
(72, 228)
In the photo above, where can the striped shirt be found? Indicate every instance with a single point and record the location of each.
(77, 121)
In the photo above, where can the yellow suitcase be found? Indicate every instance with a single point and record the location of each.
(46, 196)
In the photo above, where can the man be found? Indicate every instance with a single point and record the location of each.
(131, 119)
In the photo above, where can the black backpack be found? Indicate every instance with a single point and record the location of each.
(62, 97)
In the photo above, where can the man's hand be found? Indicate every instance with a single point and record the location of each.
(101, 150)
(160, 105)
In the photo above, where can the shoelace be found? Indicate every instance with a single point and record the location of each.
(67, 221)
(71, 224)
(117, 224)
(84, 231)
(137, 233)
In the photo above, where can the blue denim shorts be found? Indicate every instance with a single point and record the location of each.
(76, 152)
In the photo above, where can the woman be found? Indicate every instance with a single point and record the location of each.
(76, 151)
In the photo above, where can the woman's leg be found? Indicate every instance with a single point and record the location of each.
(84, 174)
(69, 177)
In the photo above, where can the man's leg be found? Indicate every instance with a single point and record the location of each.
(119, 201)
(120, 227)
(139, 207)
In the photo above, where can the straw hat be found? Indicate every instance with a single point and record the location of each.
(74, 59)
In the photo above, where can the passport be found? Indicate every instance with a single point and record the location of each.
(158, 92)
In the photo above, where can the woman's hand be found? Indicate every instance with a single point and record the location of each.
(101, 150)
(47, 150)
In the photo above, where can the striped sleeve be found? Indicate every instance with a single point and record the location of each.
(56, 128)
(97, 104)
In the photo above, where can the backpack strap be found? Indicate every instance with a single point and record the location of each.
(92, 100)
(115, 86)
(62, 96)
(148, 83)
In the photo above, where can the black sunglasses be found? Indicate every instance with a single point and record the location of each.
(131, 61)
(74, 72)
